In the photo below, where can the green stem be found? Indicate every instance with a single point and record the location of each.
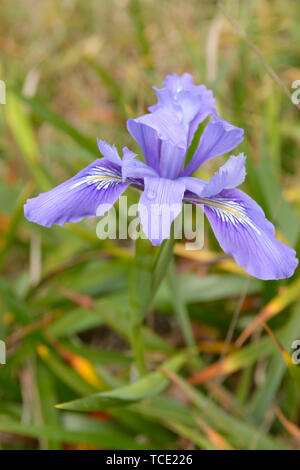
(162, 261)
(140, 295)
(146, 278)
(179, 305)
(138, 348)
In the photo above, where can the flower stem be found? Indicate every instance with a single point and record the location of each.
(179, 305)
(147, 275)
(161, 262)
(138, 349)
(140, 296)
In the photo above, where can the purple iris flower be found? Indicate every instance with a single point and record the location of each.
(164, 136)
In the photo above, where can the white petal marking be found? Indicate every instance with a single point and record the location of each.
(101, 177)
(228, 210)
(231, 211)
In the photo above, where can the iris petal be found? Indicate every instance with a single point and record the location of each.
(109, 152)
(162, 140)
(218, 137)
(89, 193)
(159, 205)
(193, 185)
(133, 168)
(181, 95)
(244, 232)
(190, 103)
(229, 175)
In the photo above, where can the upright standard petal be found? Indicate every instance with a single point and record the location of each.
(193, 186)
(230, 175)
(163, 141)
(176, 91)
(159, 205)
(190, 103)
(89, 193)
(133, 168)
(175, 83)
(218, 137)
(244, 232)
(109, 151)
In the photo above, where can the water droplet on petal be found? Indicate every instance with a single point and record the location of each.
(151, 193)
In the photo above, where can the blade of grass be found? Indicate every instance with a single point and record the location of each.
(288, 295)
(105, 436)
(146, 387)
(242, 433)
(48, 398)
(265, 395)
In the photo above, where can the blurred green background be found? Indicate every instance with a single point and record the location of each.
(76, 70)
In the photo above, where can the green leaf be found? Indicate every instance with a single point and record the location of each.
(67, 375)
(22, 130)
(241, 432)
(16, 218)
(203, 289)
(281, 213)
(49, 415)
(146, 387)
(266, 393)
(15, 304)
